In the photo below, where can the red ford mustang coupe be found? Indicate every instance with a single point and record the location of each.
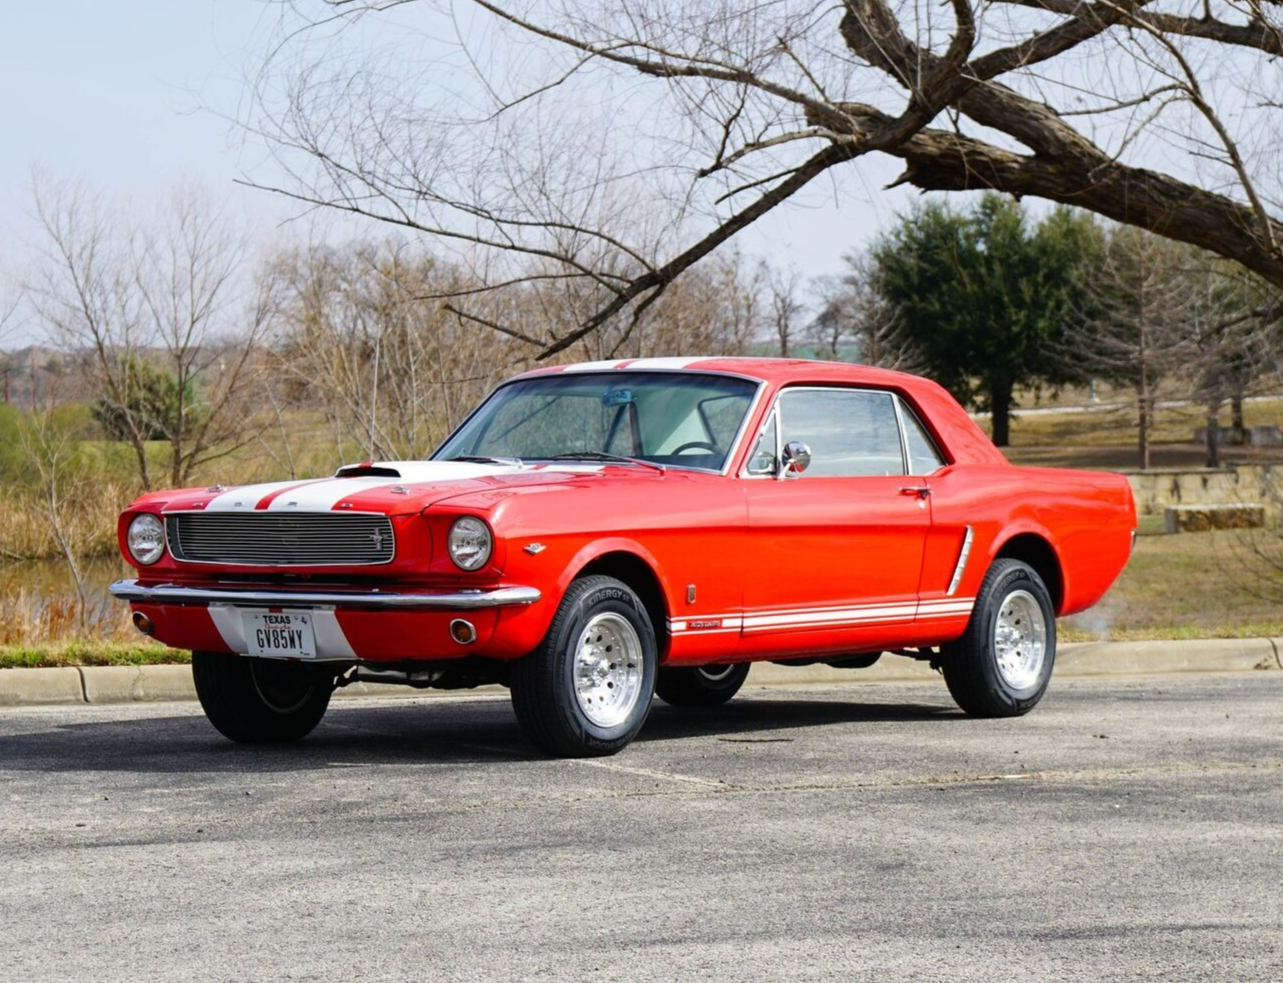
(596, 534)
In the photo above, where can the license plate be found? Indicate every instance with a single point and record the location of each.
(285, 636)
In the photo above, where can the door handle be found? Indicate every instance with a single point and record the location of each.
(921, 491)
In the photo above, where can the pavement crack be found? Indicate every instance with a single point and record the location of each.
(650, 773)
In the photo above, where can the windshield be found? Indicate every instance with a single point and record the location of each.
(680, 419)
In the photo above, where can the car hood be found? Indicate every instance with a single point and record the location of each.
(390, 487)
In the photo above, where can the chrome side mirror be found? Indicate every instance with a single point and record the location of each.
(796, 458)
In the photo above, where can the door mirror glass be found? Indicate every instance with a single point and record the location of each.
(797, 458)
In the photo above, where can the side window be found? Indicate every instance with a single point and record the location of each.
(923, 456)
(763, 459)
(850, 433)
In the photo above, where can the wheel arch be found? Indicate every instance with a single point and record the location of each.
(631, 564)
(1036, 549)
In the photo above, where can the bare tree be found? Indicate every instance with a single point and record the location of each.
(681, 124)
(8, 318)
(366, 341)
(1141, 323)
(51, 439)
(370, 340)
(853, 310)
(786, 309)
(162, 310)
(1236, 338)
(715, 309)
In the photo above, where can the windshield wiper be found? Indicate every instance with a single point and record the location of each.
(487, 459)
(603, 456)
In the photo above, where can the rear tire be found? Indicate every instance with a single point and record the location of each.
(700, 686)
(1001, 665)
(586, 691)
(260, 701)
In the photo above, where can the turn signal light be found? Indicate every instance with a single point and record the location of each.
(143, 623)
(462, 631)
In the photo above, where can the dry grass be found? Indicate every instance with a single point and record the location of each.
(89, 519)
(36, 617)
(1106, 438)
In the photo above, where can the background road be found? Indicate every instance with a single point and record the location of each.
(1124, 830)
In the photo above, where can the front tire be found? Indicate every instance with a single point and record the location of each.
(260, 701)
(1001, 665)
(586, 691)
(700, 686)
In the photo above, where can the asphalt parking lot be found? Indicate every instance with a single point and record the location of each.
(1127, 829)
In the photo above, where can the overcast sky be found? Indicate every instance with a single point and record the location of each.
(121, 95)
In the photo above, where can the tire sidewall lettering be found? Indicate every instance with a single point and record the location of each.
(605, 599)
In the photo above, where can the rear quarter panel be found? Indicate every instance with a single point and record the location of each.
(1087, 517)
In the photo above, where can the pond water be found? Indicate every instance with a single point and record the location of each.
(39, 604)
(50, 579)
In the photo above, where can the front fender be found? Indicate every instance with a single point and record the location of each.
(520, 630)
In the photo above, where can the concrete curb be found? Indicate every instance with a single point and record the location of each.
(34, 687)
(137, 684)
(133, 684)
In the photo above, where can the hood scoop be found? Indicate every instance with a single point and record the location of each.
(367, 470)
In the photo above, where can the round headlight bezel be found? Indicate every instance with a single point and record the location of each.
(470, 533)
(156, 537)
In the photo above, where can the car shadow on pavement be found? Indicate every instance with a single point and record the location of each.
(458, 731)
(756, 716)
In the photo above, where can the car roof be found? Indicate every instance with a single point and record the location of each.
(777, 371)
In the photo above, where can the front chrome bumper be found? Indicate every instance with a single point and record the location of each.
(131, 590)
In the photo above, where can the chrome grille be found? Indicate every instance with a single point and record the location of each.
(281, 539)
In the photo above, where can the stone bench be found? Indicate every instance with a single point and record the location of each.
(1204, 518)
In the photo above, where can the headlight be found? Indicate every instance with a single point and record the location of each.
(146, 538)
(470, 543)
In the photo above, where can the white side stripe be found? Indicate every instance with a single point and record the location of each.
(949, 607)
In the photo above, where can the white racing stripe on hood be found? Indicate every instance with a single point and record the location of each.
(323, 494)
(245, 497)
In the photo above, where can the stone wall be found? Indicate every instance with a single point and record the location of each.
(1251, 483)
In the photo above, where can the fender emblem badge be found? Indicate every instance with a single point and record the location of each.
(534, 549)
